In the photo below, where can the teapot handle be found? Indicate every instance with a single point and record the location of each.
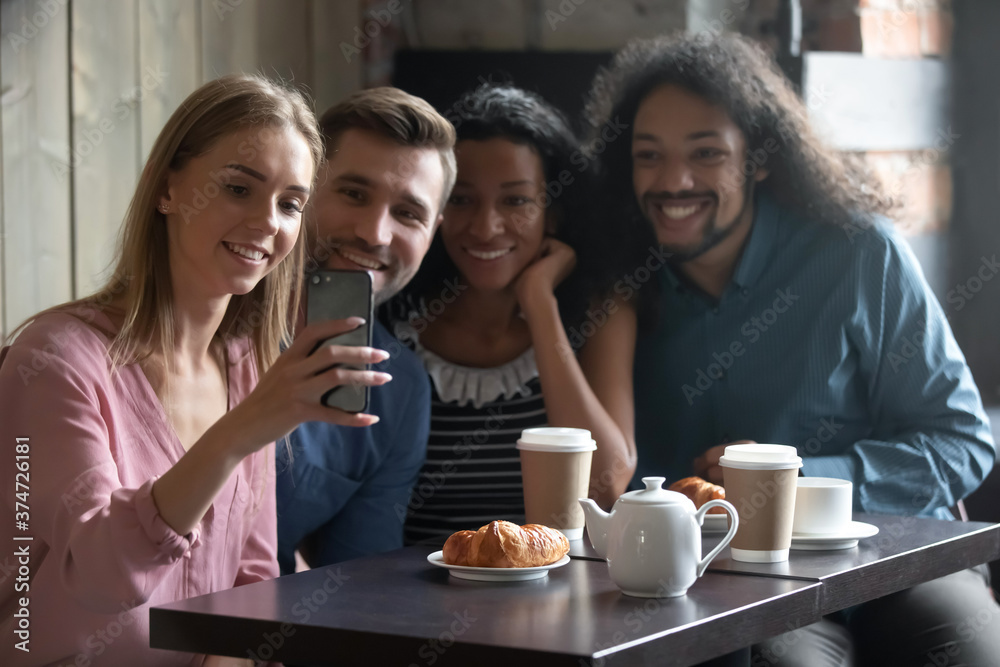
(735, 521)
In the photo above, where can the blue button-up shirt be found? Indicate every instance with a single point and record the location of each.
(829, 339)
(347, 489)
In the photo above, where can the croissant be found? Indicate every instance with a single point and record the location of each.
(505, 544)
(700, 492)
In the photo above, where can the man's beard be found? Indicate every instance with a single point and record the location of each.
(713, 235)
(391, 289)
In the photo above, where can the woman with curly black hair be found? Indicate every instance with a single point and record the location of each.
(512, 319)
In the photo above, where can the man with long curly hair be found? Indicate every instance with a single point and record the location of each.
(789, 311)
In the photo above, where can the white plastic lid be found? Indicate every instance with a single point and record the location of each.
(556, 439)
(654, 494)
(823, 482)
(761, 457)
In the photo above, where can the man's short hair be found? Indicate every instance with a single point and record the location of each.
(396, 115)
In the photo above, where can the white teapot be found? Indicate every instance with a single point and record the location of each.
(652, 539)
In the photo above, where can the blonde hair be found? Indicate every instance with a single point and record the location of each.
(217, 109)
(394, 114)
(142, 264)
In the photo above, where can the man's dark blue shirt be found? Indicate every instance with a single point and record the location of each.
(345, 492)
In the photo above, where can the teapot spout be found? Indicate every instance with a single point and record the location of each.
(597, 525)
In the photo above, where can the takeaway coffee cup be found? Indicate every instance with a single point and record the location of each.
(555, 469)
(822, 506)
(760, 481)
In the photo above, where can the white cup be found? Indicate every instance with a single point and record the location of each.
(822, 506)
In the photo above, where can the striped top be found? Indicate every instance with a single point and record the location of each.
(472, 474)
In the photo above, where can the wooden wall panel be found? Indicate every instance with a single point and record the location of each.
(108, 90)
(335, 76)
(169, 41)
(80, 111)
(284, 40)
(228, 37)
(34, 74)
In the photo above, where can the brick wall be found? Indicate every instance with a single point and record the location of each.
(920, 180)
(905, 28)
(911, 29)
(876, 28)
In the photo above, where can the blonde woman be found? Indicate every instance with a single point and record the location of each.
(136, 415)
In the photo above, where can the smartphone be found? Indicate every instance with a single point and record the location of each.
(337, 295)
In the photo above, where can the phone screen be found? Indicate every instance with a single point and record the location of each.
(337, 295)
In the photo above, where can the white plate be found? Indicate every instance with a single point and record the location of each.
(715, 523)
(848, 539)
(495, 573)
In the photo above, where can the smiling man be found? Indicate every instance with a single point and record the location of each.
(378, 200)
(790, 312)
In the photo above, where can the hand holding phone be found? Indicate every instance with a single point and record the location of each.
(337, 295)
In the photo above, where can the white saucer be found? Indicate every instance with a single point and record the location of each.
(847, 539)
(715, 524)
(495, 573)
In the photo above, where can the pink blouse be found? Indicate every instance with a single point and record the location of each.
(100, 555)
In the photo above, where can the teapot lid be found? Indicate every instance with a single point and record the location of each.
(653, 494)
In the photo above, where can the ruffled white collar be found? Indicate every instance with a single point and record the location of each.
(464, 384)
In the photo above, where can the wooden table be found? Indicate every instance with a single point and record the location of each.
(907, 551)
(396, 609)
